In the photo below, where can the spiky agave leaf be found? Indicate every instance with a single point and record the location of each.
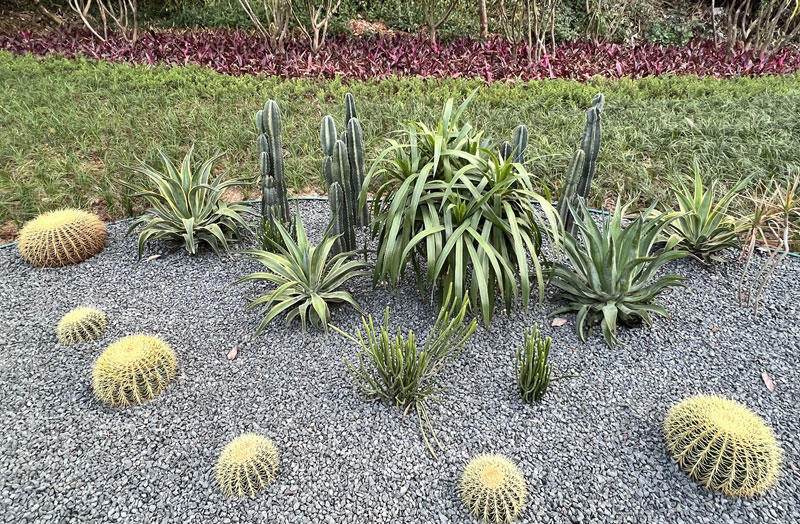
(702, 225)
(187, 207)
(307, 278)
(610, 276)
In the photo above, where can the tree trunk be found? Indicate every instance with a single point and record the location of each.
(484, 19)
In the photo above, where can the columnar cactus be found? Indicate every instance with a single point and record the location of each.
(247, 465)
(722, 445)
(342, 174)
(63, 237)
(493, 489)
(268, 121)
(578, 179)
(339, 219)
(81, 325)
(133, 370)
(334, 170)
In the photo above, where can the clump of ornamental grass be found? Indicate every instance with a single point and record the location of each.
(396, 371)
(532, 368)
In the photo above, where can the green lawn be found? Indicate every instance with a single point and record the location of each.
(68, 128)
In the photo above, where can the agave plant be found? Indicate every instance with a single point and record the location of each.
(187, 207)
(308, 279)
(396, 371)
(703, 226)
(612, 275)
(451, 202)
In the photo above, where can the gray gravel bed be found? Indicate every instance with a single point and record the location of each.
(592, 451)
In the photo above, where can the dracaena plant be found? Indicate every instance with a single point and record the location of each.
(308, 279)
(450, 202)
(398, 372)
(702, 225)
(187, 207)
(612, 275)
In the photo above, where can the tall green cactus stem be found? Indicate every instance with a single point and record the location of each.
(268, 121)
(578, 179)
(520, 143)
(590, 144)
(569, 194)
(339, 222)
(506, 149)
(270, 198)
(355, 155)
(342, 175)
(349, 108)
(327, 135)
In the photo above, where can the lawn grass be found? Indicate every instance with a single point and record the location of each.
(68, 128)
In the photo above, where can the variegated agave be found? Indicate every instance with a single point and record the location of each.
(187, 207)
(612, 276)
(307, 279)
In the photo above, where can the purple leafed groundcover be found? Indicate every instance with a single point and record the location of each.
(238, 53)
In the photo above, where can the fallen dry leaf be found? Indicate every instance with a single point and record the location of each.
(558, 322)
(233, 352)
(767, 381)
(714, 330)
(151, 258)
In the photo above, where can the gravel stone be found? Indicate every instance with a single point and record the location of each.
(591, 451)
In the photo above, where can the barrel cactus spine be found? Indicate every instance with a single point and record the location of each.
(81, 325)
(578, 179)
(63, 237)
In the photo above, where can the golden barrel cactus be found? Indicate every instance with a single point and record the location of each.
(722, 445)
(81, 325)
(133, 370)
(493, 488)
(63, 237)
(247, 465)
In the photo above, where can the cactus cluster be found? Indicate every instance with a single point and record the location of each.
(63, 237)
(517, 146)
(133, 370)
(578, 179)
(81, 325)
(274, 195)
(722, 445)
(343, 170)
(247, 465)
(493, 488)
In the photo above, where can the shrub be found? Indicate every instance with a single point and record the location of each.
(187, 207)
(703, 226)
(397, 372)
(722, 445)
(450, 200)
(531, 367)
(63, 237)
(133, 370)
(307, 278)
(247, 465)
(81, 325)
(611, 274)
(493, 489)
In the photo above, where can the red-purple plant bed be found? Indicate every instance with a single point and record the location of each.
(237, 53)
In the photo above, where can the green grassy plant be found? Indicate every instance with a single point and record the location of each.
(396, 371)
(71, 127)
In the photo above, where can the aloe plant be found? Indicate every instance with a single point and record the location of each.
(612, 276)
